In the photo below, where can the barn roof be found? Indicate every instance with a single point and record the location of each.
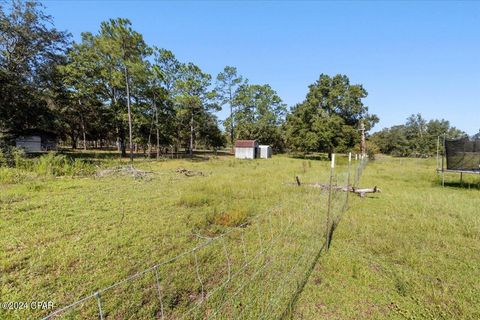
(245, 144)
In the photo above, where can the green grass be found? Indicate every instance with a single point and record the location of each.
(64, 238)
(410, 252)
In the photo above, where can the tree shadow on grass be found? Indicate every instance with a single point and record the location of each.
(92, 155)
(198, 156)
(316, 156)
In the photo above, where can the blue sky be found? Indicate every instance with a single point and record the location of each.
(410, 56)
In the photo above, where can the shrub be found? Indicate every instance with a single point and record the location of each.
(371, 154)
(82, 167)
(60, 165)
(12, 157)
(3, 158)
(51, 164)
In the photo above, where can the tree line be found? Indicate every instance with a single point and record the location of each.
(112, 87)
(416, 138)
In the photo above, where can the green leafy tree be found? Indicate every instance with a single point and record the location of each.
(80, 75)
(210, 134)
(111, 67)
(228, 82)
(29, 50)
(166, 71)
(416, 138)
(415, 130)
(167, 68)
(392, 141)
(329, 118)
(437, 128)
(259, 114)
(126, 52)
(194, 100)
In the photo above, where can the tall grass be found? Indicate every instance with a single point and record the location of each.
(60, 165)
(15, 166)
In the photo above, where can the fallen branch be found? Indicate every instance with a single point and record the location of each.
(123, 171)
(360, 191)
(189, 173)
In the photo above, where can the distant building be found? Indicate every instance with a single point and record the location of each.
(246, 149)
(265, 151)
(36, 141)
(249, 149)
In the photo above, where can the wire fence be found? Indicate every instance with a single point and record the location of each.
(254, 271)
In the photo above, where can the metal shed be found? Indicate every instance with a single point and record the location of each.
(265, 151)
(29, 143)
(36, 141)
(246, 149)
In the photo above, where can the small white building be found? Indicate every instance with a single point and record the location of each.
(29, 143)
(246, 149)
(265, 151)
(36, 141)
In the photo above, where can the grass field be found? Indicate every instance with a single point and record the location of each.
(64, 238)
(411, 251)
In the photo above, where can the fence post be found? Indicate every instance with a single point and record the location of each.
(159, 290)
(99, 303)
(348, 180)
(225, 251)
(443, 161)
(197, 271)
(327, 237)
(438, 152)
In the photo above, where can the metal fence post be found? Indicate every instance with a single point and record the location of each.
(438, 152)
(443, 162)
(197, 271)
(327, 237)
(348, 180)
(99, 303)
(157, 281)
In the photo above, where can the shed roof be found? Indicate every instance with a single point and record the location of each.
(37, 132)
(245, 144)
